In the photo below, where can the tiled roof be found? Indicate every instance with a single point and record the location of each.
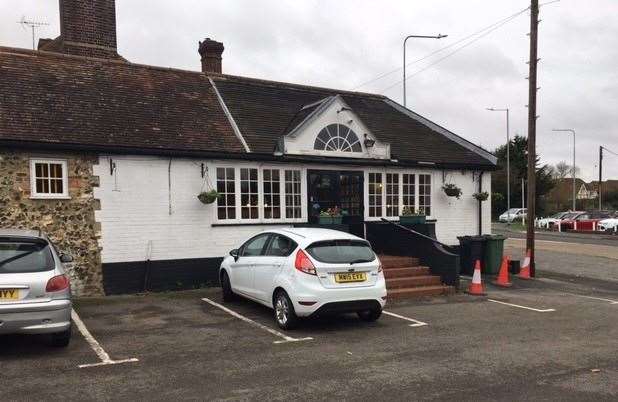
(266, 110)
(62, 99)
(73, 100)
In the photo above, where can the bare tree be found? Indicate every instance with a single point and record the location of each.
(563, 170)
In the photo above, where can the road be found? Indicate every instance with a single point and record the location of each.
(580, 238)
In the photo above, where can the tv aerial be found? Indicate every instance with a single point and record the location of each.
(33, 26)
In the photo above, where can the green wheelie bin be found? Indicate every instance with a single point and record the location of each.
(494, 250)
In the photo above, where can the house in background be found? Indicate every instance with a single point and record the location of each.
(108, 157)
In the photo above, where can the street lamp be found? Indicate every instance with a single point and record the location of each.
(439, 36)
(508, 162)
(570, 130)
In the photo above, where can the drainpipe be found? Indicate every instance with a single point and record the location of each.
(480, 204)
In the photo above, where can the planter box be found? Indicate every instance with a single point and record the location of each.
(412, 219)
(330, 220)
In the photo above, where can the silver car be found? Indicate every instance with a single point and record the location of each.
(35, 293)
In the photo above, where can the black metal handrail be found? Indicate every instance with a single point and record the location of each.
(417, 233)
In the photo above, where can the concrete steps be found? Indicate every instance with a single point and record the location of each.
(406, 279)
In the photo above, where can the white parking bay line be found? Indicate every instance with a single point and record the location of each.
(96, 346)
(285, 338)
(417, 323)
(547, 310)
(610, 301)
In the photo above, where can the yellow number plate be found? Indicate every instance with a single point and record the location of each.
(9, 294)
(351, 277)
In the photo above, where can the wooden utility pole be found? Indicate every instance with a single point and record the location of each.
(532, 89)
(600, 177)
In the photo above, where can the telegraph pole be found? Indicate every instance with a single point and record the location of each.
(532, 89)
(600, 176)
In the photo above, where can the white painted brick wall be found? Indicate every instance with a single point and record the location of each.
(136, 223)
(459, 217)
(135, 219)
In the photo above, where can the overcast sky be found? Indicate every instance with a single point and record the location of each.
(344, 43)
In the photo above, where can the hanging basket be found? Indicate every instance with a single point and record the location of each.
(483, 196)
(452, 190)
(208, 197)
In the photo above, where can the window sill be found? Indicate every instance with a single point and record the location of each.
(221, 224)
(47, 197)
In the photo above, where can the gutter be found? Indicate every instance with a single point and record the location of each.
(253, 156)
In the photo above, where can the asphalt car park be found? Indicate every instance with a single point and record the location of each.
(470, 349)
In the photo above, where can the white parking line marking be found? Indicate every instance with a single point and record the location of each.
(547, 310)
(417, 323)
(96, 346)
(286, 338)
(595, 298)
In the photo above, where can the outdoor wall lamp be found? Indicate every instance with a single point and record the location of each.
(369, 142)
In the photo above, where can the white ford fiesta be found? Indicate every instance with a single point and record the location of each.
(301, 272)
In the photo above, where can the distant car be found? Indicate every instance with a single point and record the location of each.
(607, 225)
(301, 272)
(547, 223)
(513, 214)
(585, 221)
(35, 292)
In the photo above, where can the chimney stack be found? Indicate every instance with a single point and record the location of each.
(87, 28)
(211, 52)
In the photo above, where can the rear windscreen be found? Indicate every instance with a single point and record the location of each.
(341, 251)
(20, 257)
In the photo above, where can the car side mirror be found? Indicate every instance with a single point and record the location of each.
(66, 258)
(234, 253)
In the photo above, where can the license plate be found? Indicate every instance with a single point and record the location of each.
(9, 294)
(351, 277)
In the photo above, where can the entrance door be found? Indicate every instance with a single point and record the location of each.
(334, 188)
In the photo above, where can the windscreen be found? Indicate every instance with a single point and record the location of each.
(24, 256)
(341, 251)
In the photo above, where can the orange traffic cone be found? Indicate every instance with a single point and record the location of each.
(476, 287)
(524, 273)
(503, 276)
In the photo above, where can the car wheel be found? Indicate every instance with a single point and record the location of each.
(61, 339)
(369, 315)
(284, 311)
(226, 288)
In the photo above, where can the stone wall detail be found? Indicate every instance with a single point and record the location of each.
(70, 224)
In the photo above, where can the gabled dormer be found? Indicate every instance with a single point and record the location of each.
(331, 128)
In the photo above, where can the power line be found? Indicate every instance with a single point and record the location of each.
(495, 27)
(611, 152)
(480, 31)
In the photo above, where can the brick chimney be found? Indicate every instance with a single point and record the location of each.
(87, 28)
(211, 52)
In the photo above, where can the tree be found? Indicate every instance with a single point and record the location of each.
(519, 170)
(563, 169)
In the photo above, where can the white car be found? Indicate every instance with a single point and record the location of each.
(301, 272)
(513, 214)
(547, 223)
(607, 224)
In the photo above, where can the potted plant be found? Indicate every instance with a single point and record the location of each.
(330, 216)
(452, 190)
(208, 197)
(483, 196)
(410, 216)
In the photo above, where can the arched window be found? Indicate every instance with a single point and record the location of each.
(339, 138)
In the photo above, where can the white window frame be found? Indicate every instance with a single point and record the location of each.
(400, 173)
(65, 180)
(261, 218)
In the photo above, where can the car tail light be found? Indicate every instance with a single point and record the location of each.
(379, 266)
(303, 263)
(58, 283)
